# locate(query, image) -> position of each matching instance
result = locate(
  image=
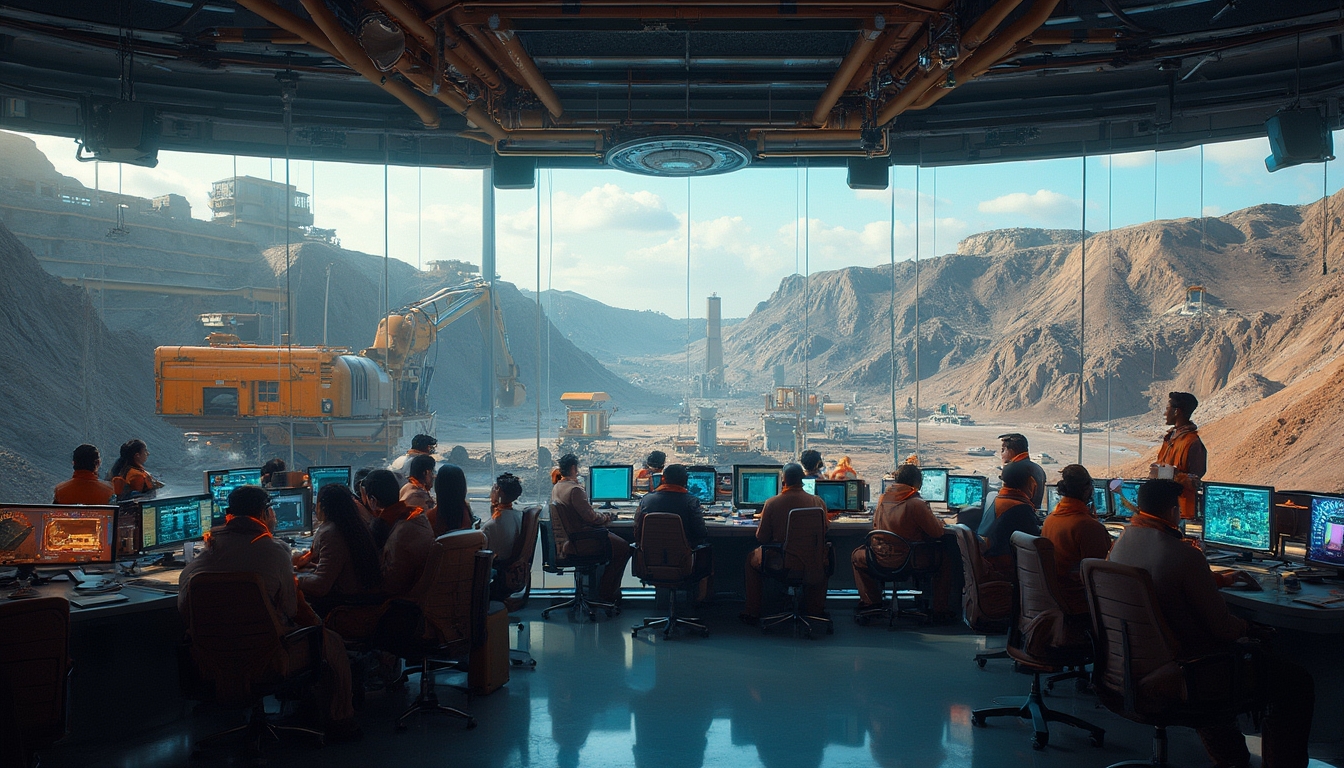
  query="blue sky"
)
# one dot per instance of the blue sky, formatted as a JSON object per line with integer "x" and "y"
{"x": 621, "y": 238}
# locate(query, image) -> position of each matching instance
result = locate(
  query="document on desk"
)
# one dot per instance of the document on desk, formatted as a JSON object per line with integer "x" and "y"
{"x": 1321, "y": 602}
{"x": 89, "y": 601}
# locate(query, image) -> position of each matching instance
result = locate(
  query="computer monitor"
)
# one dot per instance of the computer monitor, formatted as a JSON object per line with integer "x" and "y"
{"x": 611, "y": 482}
{"x": 966, "y": 490}
{"x": 1239, "y": 517}
{"x": 810, "y": 485}
{"x": 1325, "y": 543}
{"x": 36, "y": 535}
{"x": 293, "y": 512}
{"x": 1052, "y": 496}
{"x": 655, "y": 480}
{"x": 841, "y": 495}
{"x": 171, "y": 522}
{"x": 1101, "y": 500}
{"x": 219, "y": 483}
{"x": 935, "y": 484}
{"x": 702, "y": 483}
{"x": 753, "y": 484}
{"x": 320, "y": 476}
{"x": 1129, "y": 491}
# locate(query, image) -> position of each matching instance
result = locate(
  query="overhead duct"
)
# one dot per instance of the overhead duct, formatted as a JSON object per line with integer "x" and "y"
{"x": 382, "y": 40}
{"x": 678, "y": 156}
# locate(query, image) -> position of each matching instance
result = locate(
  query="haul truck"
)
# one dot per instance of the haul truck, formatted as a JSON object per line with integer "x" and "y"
{"x": 333, "y": 401}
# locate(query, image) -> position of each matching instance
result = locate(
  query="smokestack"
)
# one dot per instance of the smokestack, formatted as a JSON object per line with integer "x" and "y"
{"x": 714, "y": 344}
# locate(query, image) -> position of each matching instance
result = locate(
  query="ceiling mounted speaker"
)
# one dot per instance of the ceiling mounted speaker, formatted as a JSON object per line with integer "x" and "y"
{"x": 677, "y": 156}
{"x": 382, "y": 40}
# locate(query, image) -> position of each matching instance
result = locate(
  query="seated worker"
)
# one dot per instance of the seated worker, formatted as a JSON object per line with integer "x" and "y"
{"x": 844, "y": 470}
{"x": 344, "y": 566}
{"x": 421, "y": 445}
{"x": 1077, "y": 534}
{"x": 772, "y": 528}
{"x": 84, "y": 487}
{"x": 673, "y": 497}
{"x": 1198, "y": 617}
{"x": 130, "y": 467}
{"x": 453, "y": 512}
{"x": 572, "y": 512}
{"x": 269, "y": 470}
{"x": 1182, "y": 450}
{"x": 812, "y": 463}
{"x": 1013, "y": 450}
{"x": 905, "y": 513}
{"x": 419, "y": 482}
{"x": 244, "y": 545}
{"x": 1013, "y": 511}
{"x": 653, "y": 464}
{"x": 505, "y": 523}
{"x": 402, "y": 533}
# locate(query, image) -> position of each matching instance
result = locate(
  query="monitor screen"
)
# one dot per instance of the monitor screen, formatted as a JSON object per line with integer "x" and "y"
{"x": 935, "y": 484}
{"x": 56, "y": 535}
{"x": 1129, "y": 491}
{"x": 611, "y": 482}
{"x": 701, "y": 484}
{"x": 655, "y": 480}
{"x": 810, "y": 484}
{"x": 1052, "y": 496}
{"x": 754, "y": 484}
{"x": 966, "y": 490}
{"x": 173, "y": 521}
{"x": 840, "y": 495}
{"x": 1325, "y": 543}
{"x": 292, "y": 513}
{"x": 1101, "y": 500}
{"x": 1239, "y": 516}
{"x": 219, "y": 483}
{"x": 320, "y": 476}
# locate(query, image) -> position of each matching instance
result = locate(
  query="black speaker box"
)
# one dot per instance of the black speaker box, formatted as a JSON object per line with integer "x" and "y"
{"x": 868, "y": 174}
{"x": 515, "y": 172}
{"x": 1298, "y": 136}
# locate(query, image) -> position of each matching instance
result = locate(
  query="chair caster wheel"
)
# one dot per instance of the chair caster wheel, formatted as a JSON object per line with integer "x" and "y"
{"x": 977, "y": 720}
{"x": 1039, "y": 740}
{"x": 471, "y": 724}
{"x": 1098, "y": 740}
{"x": 980, "y": 663}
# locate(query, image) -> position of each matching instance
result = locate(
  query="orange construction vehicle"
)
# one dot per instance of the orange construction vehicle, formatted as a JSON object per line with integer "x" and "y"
{"x": 330, "y": 399}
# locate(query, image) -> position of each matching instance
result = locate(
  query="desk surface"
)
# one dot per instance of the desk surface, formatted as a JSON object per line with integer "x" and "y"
{"x": 1277, "y": 609}
{"x": 138, "y": 599}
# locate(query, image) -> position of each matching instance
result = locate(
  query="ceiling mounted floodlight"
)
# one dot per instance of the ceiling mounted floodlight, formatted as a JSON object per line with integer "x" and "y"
{"x": 382, "y": 40}
{"x": 678, "y": 156}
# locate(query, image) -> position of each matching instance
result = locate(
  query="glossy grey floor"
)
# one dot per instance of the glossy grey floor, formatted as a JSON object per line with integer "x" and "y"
{"x": 598, "y": 697}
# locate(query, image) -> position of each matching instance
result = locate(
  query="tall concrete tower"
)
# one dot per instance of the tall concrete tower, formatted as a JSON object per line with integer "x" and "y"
{"x": 713, "y": 379}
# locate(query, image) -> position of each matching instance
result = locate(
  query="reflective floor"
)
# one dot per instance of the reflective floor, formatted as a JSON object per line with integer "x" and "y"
{"x": 599, "y": 697}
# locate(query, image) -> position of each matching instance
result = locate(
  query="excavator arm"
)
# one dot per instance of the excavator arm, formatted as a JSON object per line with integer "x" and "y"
{"x": 405, "y": 336}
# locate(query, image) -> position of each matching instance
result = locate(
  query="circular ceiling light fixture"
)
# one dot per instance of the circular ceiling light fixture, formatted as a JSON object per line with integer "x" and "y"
{"x": 382, "y": 40}
{"x": 678, "y": 156}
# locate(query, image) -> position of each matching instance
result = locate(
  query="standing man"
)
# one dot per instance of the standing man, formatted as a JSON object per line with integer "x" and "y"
{"x": 571, "y": 512}
{"x": 419, "y": 483}
{"x": 1013, "y": 450}
{"x": 84, "y": 487}
{"x": 772, "y": 529}
{"x": 1012, "y": 512}
{"x": 421, "y": 445}
{"x": 1182, "y": 451}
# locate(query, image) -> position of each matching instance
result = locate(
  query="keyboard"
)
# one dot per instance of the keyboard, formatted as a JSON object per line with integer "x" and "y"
{"x": 154, "y": 584}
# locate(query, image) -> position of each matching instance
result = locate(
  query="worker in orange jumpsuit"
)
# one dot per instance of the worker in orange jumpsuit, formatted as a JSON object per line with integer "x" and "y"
{"x": 844, "y": 470}
{"x": 85, "y": 487}
{"x": 130, "y": 467}
{"x": 1182, "y": 450}
{"x": 902, "y": 511}
{"x": 1072, "y": 526}
{"x": 772, "y": 529}
{"x": 653, "y": 464}
{"x": 572, "y": 512}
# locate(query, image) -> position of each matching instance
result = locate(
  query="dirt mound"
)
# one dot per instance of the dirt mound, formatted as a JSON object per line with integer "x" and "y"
{"x": 70, "y": 379}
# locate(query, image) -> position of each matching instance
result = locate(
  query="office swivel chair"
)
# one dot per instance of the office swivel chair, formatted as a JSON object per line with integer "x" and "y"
{"x": 1041, "y": 641}
{"x": 1137, "y": 674}
{"x": 452, "y": 597}
{"x": 35, "y": 672}
{"x": 804, "y": 560}
{"x": 513, "y": 580}
{"x": 664, "y": 559}
{"x": 592, "y": 549}
{"x": 986, "y": 602}
{"x": 892, "y": 558}
{"x": 238, "y": 652}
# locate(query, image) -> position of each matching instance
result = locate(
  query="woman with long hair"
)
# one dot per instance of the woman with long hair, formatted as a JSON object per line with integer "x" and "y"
{"x": 345, "y": 563}
{"x": 130, "y": 467}
{"x": 450, "y": 489}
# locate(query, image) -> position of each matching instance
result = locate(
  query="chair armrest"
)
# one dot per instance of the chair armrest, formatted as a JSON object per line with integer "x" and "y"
{"x": 772, "y": 557}
{"x": 310, "y": 635}
{"x": 702, "y": 561}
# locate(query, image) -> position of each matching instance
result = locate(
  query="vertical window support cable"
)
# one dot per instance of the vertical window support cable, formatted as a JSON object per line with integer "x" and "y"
{"x": 891, "y": 246}
{"x": 1082, "y": 309}
{"x": 918, "y": 206}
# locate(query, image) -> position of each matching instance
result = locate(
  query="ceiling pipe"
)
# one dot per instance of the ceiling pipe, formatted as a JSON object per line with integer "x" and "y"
{"x": 492, "y": 50}
{"x": 454, "y": 53}
{"x": 326, "y": 34}
{"x": 477, "y": 12}
{"x": 994, "y": 51}
{"x": 923, "y": 81}
{"x": 508, "y": 40}
{"x": 858, "y": 53}
{"x": 894, "y": 39}
{"x": 407, "y": 67}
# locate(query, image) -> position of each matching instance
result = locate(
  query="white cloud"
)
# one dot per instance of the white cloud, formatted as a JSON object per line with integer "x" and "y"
{"x": 611, "y": 207}
{"x": 1213, "y": 210}
{"x": 1044, "y": 206}
{"x": 1142, "y": 159}
{"x": 1238, "y": 155}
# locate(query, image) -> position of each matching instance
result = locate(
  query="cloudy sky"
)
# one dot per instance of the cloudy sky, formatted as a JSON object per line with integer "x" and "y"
{"x": 622, "y": 239}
